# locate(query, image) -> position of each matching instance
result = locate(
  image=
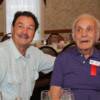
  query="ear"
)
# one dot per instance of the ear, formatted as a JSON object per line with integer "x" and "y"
{"x": 97, "y": 37}
{"x": 73, "y": 36}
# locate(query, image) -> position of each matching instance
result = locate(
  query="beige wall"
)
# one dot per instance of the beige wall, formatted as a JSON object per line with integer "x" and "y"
{"x": 1, "y": 19}
{"x": 59, "y": 14}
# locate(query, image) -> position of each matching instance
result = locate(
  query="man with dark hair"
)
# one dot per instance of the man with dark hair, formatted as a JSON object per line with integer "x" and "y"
{"x": 27, "y": 14}
{"x": 20, "y": 62}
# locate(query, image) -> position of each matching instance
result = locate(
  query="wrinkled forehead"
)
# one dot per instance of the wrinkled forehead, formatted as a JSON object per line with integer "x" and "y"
{"x": 85, "y": 21}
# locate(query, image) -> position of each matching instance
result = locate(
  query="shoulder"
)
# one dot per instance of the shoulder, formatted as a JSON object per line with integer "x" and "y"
{"x": 34, "y": 51}
{"x": 67, "y": 54}
{"x": 4, "y": 46}
{"x": 68, "y": 51}
{"x": 4, "y": 54}
{"x": 96, "y": 53}
{"x": 5, "y": 49}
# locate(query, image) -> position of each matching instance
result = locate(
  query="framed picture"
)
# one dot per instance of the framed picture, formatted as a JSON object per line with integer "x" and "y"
{"x": 65, "y": 33}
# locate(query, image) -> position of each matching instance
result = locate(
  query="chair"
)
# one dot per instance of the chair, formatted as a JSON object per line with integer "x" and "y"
{"x": 67, "y": 46}
{"x": 49, "y": 50}
{"x": 44, "y": 79}
{"x": 5, "y": 37}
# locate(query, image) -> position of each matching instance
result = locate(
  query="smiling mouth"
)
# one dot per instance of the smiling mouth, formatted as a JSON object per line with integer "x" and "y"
{"x": 23, "y": 36}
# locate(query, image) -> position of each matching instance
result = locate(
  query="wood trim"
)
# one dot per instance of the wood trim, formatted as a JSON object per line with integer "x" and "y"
{"x": 1, "y": 34}
{"x": 58, "y": 31}
{"x": 1, "y": 2}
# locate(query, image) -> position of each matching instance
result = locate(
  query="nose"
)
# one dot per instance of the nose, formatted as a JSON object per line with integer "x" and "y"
{"x": 25, "y": 29}
{"x": 84, "y": 33}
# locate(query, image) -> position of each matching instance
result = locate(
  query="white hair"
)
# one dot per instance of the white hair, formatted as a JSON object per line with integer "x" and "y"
{"x": 91, "y": 17}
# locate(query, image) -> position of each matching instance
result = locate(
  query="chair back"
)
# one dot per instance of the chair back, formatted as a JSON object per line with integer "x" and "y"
{"x": 49, "y": 50}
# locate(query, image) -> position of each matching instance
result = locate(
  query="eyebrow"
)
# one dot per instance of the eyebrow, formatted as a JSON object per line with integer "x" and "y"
{"x": 33, "y": 25}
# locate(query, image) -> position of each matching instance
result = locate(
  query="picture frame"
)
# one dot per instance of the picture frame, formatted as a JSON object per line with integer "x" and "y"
{"x": 65, "y": 33}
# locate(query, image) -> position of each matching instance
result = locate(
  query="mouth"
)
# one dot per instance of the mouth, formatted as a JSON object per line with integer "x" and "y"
{"x": 84, "y": 41}
{"x": 23, "y": 36}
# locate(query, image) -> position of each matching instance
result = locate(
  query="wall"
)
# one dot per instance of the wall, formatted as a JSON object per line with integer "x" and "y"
{"x": 1, "y": 19}
{"x": 59, "y": 14}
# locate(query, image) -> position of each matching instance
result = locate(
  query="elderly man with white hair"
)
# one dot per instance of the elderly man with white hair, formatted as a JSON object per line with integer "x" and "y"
{"x": 78, "y": 67}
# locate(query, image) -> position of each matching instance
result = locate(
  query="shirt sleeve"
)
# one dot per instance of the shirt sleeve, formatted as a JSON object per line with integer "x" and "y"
{"x": 46, "y": 62}
{"x": 57, "y": 75}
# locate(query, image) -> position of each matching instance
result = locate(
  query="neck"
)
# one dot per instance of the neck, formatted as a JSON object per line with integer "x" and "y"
{"x": 87, "y": 52}
{"x": 22, "y": 50}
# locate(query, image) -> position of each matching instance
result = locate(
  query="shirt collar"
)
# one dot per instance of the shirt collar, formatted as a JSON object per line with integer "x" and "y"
{"x": 15, "y": 51}
{"x": 96, "y": 53}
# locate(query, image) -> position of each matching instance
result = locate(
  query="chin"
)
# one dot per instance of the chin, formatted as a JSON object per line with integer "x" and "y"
{"x": 84, "y": 47}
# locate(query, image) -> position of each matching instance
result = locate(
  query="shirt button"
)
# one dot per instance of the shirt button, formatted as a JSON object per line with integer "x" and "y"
{"x": 83, "y": 62}
{"x": 81, "y": 55}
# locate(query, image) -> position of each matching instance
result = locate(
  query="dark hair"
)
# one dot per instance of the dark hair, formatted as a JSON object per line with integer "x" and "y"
{"x": 59, "y": 37}
{"x": 27, "y": 14}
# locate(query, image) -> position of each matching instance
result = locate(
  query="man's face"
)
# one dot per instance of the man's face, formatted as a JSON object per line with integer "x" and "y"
{"x": 85, "y": 33}
{"x": 54, "y": 39}
{"x": 23, "y": 31}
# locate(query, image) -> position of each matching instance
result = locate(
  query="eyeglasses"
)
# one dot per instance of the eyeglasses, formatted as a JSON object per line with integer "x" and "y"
{"x": 30, "y": 28}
